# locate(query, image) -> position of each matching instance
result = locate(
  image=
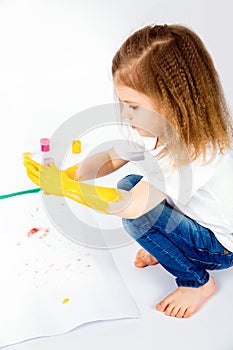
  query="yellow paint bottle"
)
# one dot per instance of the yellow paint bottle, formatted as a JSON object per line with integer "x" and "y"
{"x": 76, "y": 146}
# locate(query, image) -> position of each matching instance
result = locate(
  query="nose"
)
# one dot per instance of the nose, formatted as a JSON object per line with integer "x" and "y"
{"x": 125, "y": 112}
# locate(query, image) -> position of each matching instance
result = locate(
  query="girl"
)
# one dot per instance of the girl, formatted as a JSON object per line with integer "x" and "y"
{"x": 170, "y": 95}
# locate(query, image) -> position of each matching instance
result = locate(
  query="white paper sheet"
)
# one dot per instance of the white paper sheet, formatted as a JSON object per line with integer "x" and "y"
{"x": 49, "y": 284}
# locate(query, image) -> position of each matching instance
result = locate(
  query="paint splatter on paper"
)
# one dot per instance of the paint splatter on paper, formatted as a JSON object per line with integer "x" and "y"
{"x": 45, "y": 232}
{"x": 66, "y": 300}
{"x": 33, "y": 231}
{"x": 50, "y": 259}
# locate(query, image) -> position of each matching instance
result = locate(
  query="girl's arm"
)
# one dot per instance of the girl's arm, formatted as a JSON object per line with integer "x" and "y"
{"x": 127, "y": 204}
{"x": 98, "y": 165}
{"x": 130, "y": 204}
{"x": 139, "y": 200}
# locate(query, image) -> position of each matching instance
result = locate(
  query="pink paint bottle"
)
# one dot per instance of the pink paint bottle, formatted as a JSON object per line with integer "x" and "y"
{"x": 45, "y": 147}
{"x": 45, "y": 144}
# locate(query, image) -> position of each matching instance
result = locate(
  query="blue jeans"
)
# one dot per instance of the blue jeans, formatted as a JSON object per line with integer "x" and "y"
{"x": 186, "y": 251}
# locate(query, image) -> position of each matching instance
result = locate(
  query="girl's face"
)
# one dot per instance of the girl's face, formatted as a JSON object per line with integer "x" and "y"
{"x": 139, "y": 111}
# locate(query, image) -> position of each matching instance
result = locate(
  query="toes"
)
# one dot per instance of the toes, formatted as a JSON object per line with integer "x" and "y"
{"x": 139, "y": 256}
{"x": 139, "y": 263}
{"x": 169, "y": 309}
{"x": 140, "y": 253}
{"x": 143, "y": 258}
{"x": 188, "y": 312}
{"x": 147, "y": 259}
{"x": 181, "y": 312}
{"x": 151, "y": 260}
{"x": 175, "y": 310}
{"x": 162, "y": 305}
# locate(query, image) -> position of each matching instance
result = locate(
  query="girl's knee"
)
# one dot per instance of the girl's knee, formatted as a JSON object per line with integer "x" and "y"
{"x": 147, "y": 222}
{"x": 131, "y": 228}
{"x": 128, "y": 182}
{"x": 137, "y": 227}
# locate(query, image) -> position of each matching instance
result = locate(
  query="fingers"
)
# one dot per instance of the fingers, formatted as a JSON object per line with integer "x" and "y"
{"x": 71, "y": 172}
{"x": 33, "y": 178}
{"x": 31, "y": 169}
{"x": 48, "y": 178}
{"x": 28, "y": 160}
{"x": 34, "y": 167}
{"x": 39, "y": 181}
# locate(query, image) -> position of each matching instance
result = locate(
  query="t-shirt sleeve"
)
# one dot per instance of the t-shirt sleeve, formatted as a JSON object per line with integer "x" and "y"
{"x": 134, "y": 147}
{"x": 129, "y": 150}
{"x": 179, "y": 184}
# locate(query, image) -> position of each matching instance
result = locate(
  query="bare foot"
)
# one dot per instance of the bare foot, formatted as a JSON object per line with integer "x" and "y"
{"x": 184, "y": 301}
{"x": 143, "y": 258}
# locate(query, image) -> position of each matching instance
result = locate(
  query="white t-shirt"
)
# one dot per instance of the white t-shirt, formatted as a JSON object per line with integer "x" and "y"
{"x": 202, "y": 192}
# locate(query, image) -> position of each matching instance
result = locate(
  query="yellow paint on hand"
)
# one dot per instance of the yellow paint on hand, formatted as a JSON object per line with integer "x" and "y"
{"x": 64, "y": 183}
{"x": 71, "y": 172}
{"x": 66, "y": 300}
{"x": 96, "y": 197}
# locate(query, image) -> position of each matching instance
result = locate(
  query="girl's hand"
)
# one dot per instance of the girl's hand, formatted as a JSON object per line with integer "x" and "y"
{"x": 49, "y": 178}
{"x": 72, "y": 172}
{"x": 55, "y": 181}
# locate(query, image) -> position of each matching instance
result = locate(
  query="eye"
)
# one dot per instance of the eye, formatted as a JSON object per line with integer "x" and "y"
{"x": 133, "y": 107}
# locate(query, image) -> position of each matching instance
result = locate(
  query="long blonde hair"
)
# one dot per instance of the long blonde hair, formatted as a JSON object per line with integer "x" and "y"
{"x": 170, "y": 64}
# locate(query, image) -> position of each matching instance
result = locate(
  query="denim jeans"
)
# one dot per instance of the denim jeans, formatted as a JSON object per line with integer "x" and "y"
{"x": 182, "y": 246}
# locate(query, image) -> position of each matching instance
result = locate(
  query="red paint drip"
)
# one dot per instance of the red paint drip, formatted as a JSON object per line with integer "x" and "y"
{"x": 33, "y": 231}
{"x": 36, "y": 229}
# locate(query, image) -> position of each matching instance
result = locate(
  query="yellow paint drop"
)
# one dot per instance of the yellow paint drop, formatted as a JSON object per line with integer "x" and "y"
{"x": 66, "y": 300}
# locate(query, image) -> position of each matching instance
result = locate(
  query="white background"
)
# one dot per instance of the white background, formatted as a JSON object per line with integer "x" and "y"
{"x": 55, "y": 61}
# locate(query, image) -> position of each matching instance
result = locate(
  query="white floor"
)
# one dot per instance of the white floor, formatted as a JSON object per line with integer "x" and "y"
{"x": 209, "y": 328}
